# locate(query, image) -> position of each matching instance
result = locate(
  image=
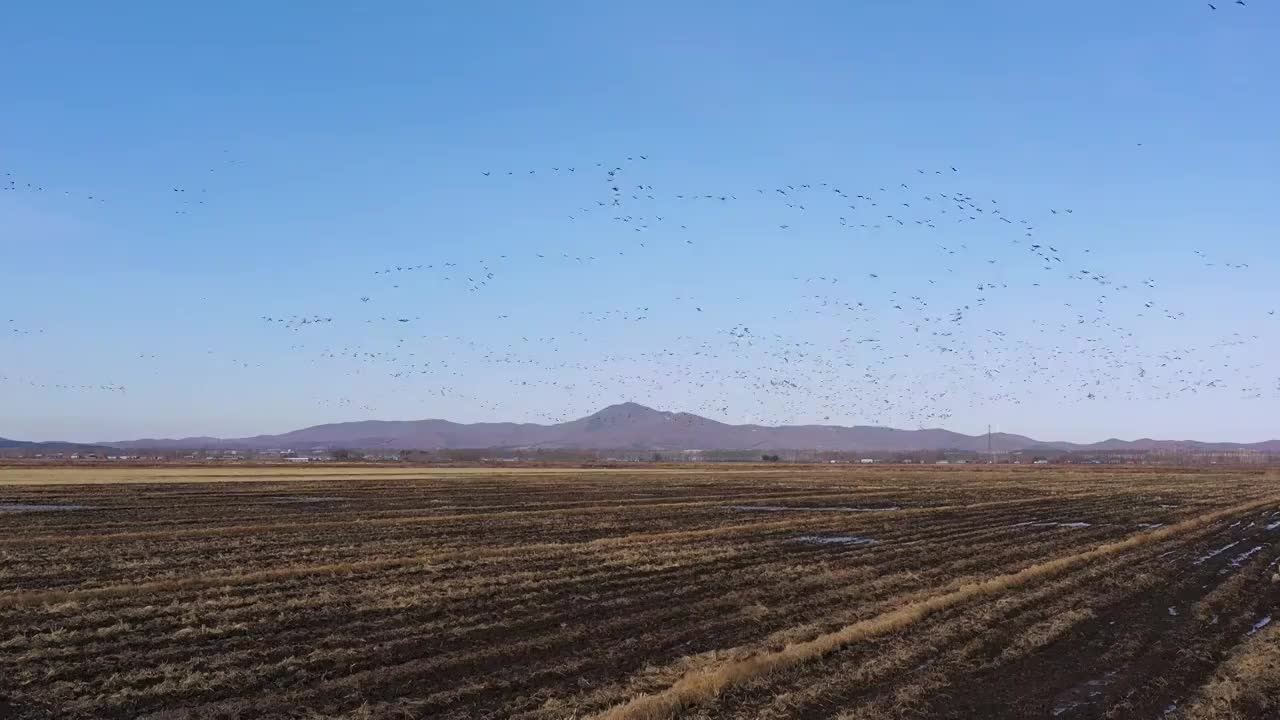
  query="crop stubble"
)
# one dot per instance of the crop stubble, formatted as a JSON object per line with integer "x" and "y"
{"x": 637, "y": 593}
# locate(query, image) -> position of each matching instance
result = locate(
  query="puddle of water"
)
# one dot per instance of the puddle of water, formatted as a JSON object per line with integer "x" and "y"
{"x": 20, "y": 507}
{"x": 836, "y": 539}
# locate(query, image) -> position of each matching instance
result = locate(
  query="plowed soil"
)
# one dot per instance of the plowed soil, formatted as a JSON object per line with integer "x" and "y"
{"x": 707, "y": 592}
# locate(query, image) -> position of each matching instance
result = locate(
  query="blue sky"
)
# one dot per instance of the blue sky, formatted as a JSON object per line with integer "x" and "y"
{"x": 312, "y": 149}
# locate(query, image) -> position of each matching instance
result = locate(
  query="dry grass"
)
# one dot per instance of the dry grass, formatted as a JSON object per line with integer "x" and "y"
{"x": 1246, "y": 686}
{"x": 705, "y": 684}
{"x": 542, "y": 594}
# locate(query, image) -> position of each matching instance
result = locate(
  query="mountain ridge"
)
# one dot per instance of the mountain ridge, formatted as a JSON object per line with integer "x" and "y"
{"x": 634, "y": 426}
{"x": 8, "y": 444}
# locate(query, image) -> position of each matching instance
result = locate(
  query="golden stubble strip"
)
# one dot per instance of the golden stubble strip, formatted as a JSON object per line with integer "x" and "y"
{"x": 1246, "y": 684}
{"x": 702, "y": 685}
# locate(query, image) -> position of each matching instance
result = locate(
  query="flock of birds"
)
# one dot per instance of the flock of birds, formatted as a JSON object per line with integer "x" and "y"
{"x": 39, "y": 384}
{"x": 894, "y": 355}
{"x": 875, "y": 344}
{"x": 179, "y": 199}
{"x": 887, "y": 347}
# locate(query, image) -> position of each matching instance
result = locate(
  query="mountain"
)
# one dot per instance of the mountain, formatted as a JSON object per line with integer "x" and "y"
{"x": 630, "y": 425}
{"x": 28, "y": 447}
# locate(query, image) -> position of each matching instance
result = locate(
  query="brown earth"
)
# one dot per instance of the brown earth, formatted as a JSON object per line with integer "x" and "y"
{"x": 704, "y": 591}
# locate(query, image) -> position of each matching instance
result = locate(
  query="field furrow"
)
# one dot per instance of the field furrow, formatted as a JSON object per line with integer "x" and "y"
{"x": 716, "y": 593}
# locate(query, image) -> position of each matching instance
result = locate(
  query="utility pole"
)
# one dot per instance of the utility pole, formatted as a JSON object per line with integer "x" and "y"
{"x": 990, "y": 455}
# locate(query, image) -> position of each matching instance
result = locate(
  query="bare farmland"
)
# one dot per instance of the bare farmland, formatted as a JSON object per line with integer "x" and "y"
{"x": 725, "y": 592}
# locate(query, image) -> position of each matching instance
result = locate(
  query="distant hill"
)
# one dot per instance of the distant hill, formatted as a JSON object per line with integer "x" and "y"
{"x": 27, "y": 447}
{"x": 630, "y": 425}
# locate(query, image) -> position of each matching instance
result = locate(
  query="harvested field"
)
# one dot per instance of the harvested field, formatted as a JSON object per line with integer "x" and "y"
{"x": 702, "y": 592}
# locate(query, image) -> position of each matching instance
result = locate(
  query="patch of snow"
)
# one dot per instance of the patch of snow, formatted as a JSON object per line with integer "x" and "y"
{"x": 1034, "y": 523}
{"x": 1215, "y": 553}
{"x": 1064, "y": 524}
{"x": 1084, "y": 694}
{"x": 836, "y": 540}
{"x": 1150, "y": 526}
{"x": 1173, "y": 611}
{"x": 1063, "y": 708}
{"x": 1273, "y": 525}
{"x": 1238, "y": 560}
{"x": 1260, "y": 624}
